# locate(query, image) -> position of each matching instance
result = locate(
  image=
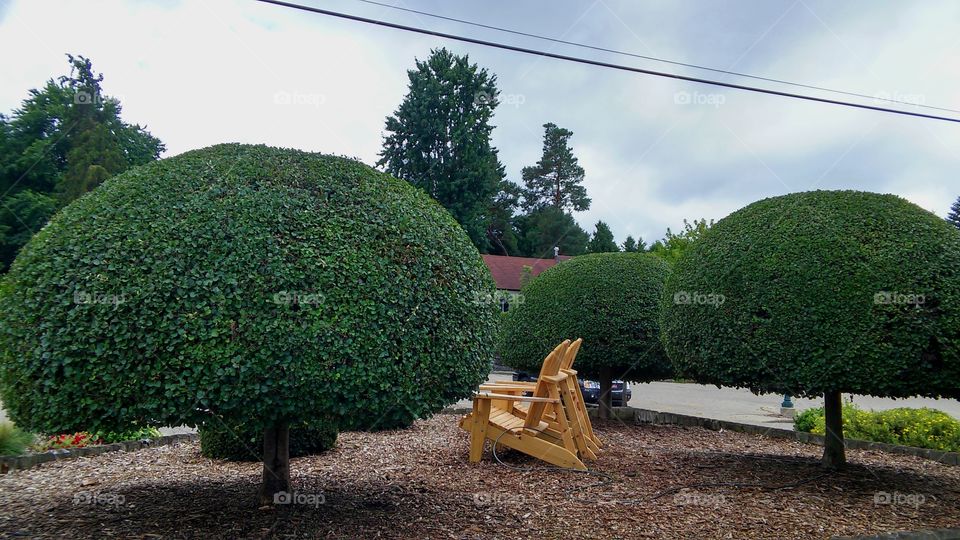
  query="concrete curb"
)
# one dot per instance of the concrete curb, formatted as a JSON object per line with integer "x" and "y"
{"x": 19, "y": 463}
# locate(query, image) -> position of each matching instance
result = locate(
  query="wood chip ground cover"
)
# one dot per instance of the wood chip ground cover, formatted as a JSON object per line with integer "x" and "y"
{"x": 651, "y": 482}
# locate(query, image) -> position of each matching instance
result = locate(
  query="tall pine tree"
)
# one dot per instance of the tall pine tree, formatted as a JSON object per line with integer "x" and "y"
{"x": 439, "y": 140}
{"x": 556, "y": 180}
{"x": 954, "y": 215}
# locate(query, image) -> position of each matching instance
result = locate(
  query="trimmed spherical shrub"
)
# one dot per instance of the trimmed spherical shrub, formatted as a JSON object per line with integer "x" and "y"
{"x": 611, "y": 300}
{"x": 263, "y": 285}
{"x": 240, "y": 443}
{"x": 816, "y": 292}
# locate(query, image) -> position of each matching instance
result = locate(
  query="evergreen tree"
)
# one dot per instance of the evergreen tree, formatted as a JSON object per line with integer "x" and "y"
{"x": 602, "y": 241}
{"x": 550, "y": 227}
{"x": 556, "y": 180}
{"x": 954, "y": 215}
{"x": 501, "y": 221}
{"x": 65, "y": 138}
{"x": 439, "y": 140}
{"x": 632, "y": 246}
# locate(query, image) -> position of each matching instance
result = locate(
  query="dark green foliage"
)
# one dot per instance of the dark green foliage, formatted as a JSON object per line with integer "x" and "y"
{"x": 549, "y": 227}
{"x": 602, "y": 241}
{"x": 66, "y": 138}
{"x": 556, "y": 180}
{"x": 501, "y": 229}
{"x": 241, "y": 443}
{"x": 20, "y": 215}
{"x": 823, "y": 291}
{"x": 954, "y": 216}
{"x": 611, "y": 300}
{"x": 439, "y": 139}
{"x": 261, "y": 284}
{"x": 632, "y": 246}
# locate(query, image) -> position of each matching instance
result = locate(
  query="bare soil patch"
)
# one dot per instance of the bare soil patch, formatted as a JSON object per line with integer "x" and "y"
{"x": 651, "y": 482}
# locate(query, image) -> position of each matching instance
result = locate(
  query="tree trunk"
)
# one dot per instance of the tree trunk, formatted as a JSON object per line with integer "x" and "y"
{"x": 276, "y": 463}
{"x": 606, "y": 394}
{"x": 833, "y": 452}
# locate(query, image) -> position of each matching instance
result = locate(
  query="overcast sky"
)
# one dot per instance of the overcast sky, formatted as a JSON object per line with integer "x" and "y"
{"x": 655, "y": 150}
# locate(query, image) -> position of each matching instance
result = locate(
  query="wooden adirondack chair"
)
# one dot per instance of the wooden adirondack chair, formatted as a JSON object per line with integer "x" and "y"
{"x": 574, "y": 404}
{"x": 543, "y": 432}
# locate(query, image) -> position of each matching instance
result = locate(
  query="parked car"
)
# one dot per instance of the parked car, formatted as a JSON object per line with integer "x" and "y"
{"x": 590, "y": 389}
{"x": 621, "y": 392}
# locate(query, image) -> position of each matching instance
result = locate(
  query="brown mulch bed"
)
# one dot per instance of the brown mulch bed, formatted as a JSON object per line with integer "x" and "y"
{"x": 651, "y": 482}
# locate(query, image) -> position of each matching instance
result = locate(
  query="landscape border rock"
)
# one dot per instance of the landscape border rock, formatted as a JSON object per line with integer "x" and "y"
{"x": 19, "y": 463}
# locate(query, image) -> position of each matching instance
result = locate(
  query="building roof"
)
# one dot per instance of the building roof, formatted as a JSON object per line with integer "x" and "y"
{"x": 507, "y": 271}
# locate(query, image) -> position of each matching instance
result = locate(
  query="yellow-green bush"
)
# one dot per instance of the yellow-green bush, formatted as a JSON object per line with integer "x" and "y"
{"x": 923, "y": 428}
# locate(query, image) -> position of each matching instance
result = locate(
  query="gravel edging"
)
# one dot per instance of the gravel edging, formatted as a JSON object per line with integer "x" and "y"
{"x": 19, "y": 463}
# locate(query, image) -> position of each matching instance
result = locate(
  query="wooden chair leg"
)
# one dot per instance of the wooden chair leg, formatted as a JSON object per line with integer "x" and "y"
{"x": 478, "y": 432}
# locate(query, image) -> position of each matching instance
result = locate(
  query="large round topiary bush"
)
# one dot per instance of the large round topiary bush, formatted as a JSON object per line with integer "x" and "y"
{"x": 263, "y": 285}
{"x": 820, "y": 293}
{"x": 611, "y": 300}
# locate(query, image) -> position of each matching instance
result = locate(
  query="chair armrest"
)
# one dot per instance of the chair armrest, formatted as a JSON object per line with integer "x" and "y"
{"x": 505, "y": 388}
{"x": 509, "y": 397}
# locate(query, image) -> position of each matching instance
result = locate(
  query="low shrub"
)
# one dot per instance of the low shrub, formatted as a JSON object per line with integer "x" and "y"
{"x": 13, "y": 440}
{"x": 108, "y": 437}
{"x": 241, "y": 443}
{"x": 922, "y": 428}
{"x": 807, "y": 420}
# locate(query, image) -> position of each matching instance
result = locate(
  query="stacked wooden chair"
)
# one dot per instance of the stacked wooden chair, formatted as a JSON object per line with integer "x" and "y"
{"x": 550, "y": 424}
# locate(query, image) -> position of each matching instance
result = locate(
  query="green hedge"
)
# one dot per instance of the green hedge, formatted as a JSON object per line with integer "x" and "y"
{"x": 240, "y": 443}
{"x": 818, "y": 292}
{"x": 256, "y": 283}
{"x": 611, "y": 300}
{"x": 923, "y": 428}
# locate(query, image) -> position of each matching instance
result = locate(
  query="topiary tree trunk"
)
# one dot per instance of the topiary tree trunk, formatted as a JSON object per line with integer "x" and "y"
{"x": 276, "y": 462}
{"x": 606, "y": 393}
{"x": 834, "y": 455}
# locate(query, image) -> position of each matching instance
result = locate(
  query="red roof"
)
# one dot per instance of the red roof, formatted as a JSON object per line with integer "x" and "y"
{"x": 508, "y": 270}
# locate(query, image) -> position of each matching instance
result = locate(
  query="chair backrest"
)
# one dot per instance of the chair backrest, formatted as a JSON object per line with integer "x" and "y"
{"x": 571, "y": 354}
{"x": 551, "y": 367}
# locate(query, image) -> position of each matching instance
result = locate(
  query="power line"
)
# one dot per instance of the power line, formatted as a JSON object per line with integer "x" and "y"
{"x": 654, "y": 58}
{"x": 597, "y": 63}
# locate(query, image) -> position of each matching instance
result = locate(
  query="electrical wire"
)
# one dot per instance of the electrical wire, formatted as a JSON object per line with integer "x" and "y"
{"x": 654, "y": 58}
{"x": 608, "y": 65}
